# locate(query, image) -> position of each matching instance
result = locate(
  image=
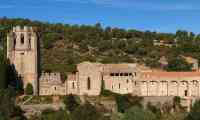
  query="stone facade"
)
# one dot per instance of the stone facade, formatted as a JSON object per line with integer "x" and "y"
{"x": 89, "y": 78}
{"x": 22, "y": 53}
{"x": 51, "y": 84}
{"x": 119, "y": 78}
{"x": 129, "y": 79}
{"x": 183, "y": 84}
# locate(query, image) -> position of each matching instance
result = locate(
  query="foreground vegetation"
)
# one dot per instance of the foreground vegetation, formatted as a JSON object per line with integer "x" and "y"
{"x": 129, "y": 108}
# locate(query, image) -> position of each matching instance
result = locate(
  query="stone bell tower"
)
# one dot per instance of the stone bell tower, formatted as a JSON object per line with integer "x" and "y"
{"x": 22, "y": 53}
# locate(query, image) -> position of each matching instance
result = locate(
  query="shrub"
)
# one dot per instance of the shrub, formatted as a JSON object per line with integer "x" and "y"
{"x": 87, "y": 112}
{"x": 137, "y": 113}
{"x": 70, "y": 102}
{"x": 29, "y": 89}
{"x": 124, "y": 102}
{"x": 54, "y": 115}
{"x": 195, "y": 112}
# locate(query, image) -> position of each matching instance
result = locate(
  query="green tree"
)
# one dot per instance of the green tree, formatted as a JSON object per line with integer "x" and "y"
{"x": 177, "y": 101}
{"x": 194, "y": 113}
{"x": 29, "y": 89}
{"x": 154, "y": 109}
{"x": 8, "y": 109}
{"x": 178, "y": 64}
{"x": 137, "y": 113}
{"x": 70, "y": 102}
{"x": 49, "y": 39}
{"x": 54, "y": 115}
{"x": 3, "y": 68}
{"x": 86, "y": 112}
{"x": 124, "y": 102}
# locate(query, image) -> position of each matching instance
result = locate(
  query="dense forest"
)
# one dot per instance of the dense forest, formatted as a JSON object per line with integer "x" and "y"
{"x": 63, "y": 45}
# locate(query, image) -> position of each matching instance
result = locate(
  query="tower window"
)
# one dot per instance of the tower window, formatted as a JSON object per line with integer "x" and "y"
{"x": 88, "y": 83}
{"x": 116, "y": 74}
{"x": 29, "y": 40}
{"x": 22, "y": 38}
{"x": 126, "y": 74}
{"x": 111, "y": 74}
{"x": 14, "y": 37}
{"x": 186, "y": 93}
{"x": 73, "y": 86}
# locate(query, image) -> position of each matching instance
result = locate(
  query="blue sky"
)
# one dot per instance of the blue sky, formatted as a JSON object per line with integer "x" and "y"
{"x": 154, "y": 15}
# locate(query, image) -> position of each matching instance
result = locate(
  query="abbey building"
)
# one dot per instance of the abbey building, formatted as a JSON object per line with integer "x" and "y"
{"x": 88, "y": 79}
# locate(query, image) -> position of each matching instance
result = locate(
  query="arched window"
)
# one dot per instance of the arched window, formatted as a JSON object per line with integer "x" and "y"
{"x": 22, "y": 38}
{"x": 88, "y": 83}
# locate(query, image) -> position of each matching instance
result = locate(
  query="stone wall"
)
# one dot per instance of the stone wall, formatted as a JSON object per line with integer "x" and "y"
{"x": 72, "y": 84}
{"x": 22, "y": 53}
{"x": 119, "y": 78}
{"x": 128, "y": 79}
{"x": 89, "y": 78}
{"x": 183, "y": 84}
{"x": 51, "y": 84}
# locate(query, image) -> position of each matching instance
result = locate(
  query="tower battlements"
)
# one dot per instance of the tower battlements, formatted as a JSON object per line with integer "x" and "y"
{"x": 22, "y": 38}
{"x": 50, "y": 77}
{"x": 22, "y": 29}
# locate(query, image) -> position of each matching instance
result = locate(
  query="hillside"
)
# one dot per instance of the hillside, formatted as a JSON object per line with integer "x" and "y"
{"x": 63, "y": 45}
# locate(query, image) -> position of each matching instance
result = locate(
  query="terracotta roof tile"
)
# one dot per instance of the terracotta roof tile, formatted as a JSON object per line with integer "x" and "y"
{"x": 170, "y": 74}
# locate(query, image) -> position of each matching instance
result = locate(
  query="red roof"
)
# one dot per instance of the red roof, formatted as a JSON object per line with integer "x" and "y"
{"x": 171, "y": 74}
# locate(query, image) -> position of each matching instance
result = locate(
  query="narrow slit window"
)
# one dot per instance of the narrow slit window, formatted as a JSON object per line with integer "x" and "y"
{"x": 22, "y": 38}
{"x": 15, "y": 38}
{"x": 73, "y": 86}
{"x": 29, "y": 41}
{"x": 88, "y": 83}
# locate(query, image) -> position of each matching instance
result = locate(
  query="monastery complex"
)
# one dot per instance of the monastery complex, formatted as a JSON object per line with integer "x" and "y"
{"x": 88, "y": 79}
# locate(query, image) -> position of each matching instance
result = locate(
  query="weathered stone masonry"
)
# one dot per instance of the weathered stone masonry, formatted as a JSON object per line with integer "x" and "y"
{"x": 22, "y": 52}
{"x": 87, "y": 80}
